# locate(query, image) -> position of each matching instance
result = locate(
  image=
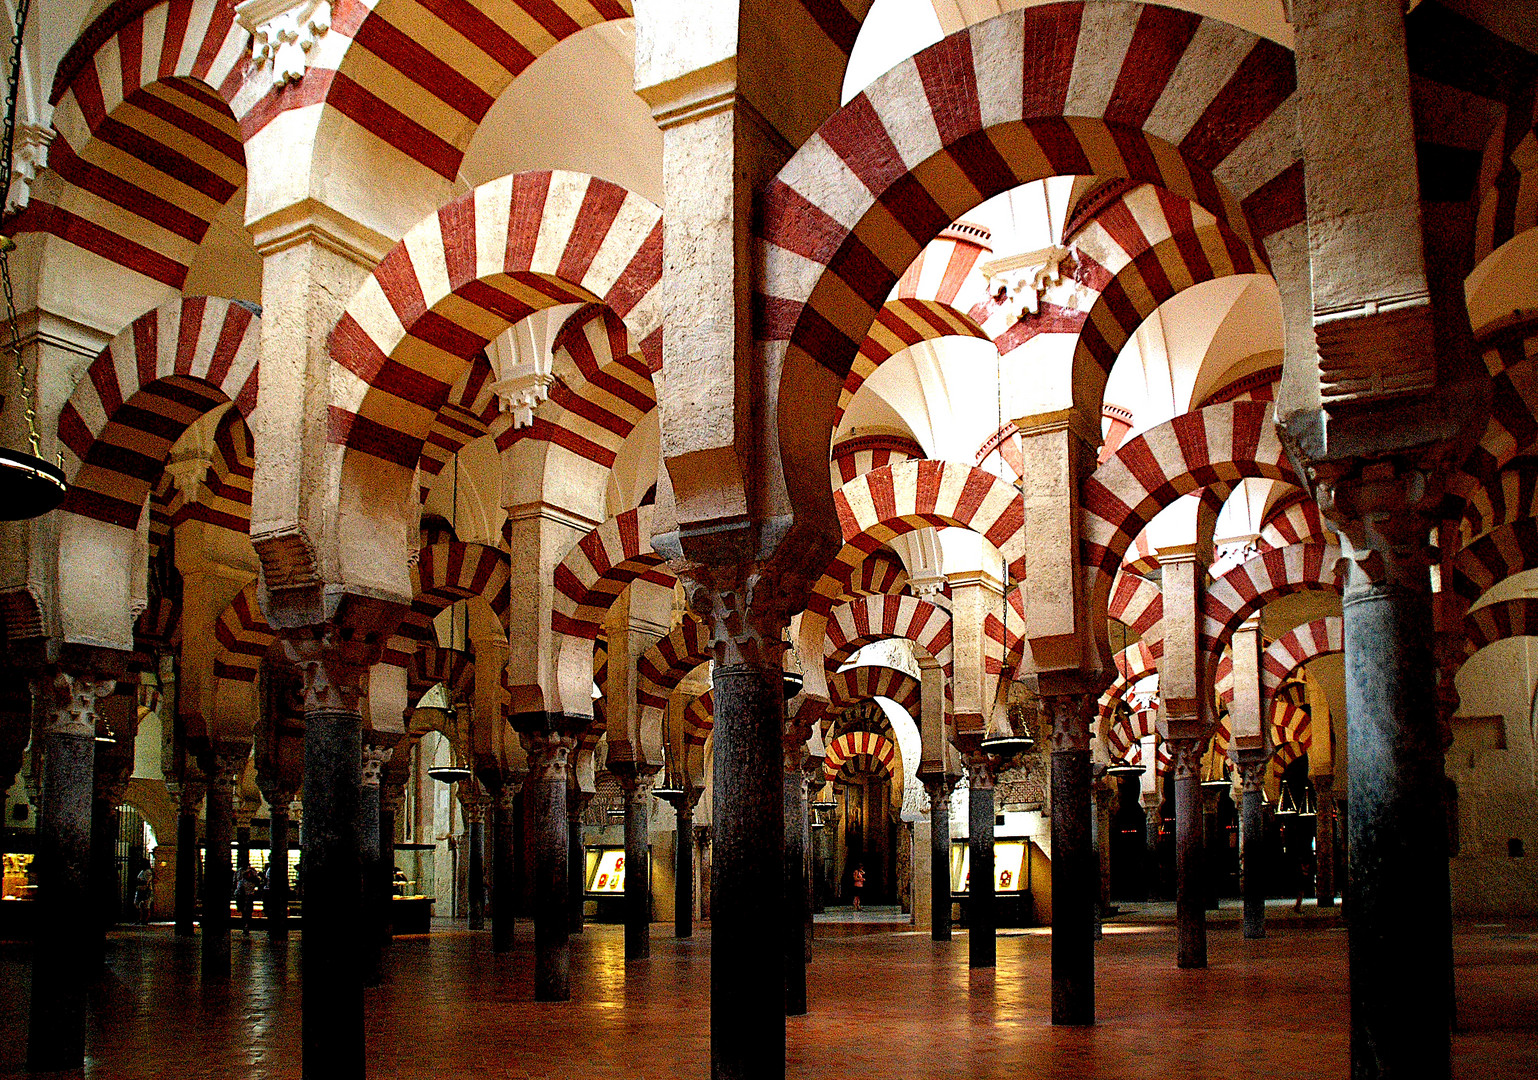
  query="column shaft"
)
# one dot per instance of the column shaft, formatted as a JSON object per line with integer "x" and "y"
{"x": 332, "y": 953}
{"x": 1251, "y": 873}
{"x": 795, "y": 886}
{"x": 475, "y": 839}
{"x": 683, "y": 873}
{"x": 552, "y": 856}
{"x": 56, "y": 1035}
{"x": 576, "y": 864}
{"x": 218, "y": 877}
{"x": 504, "y": 893}
{"x": 1190, "y": 880}
{"x": 276, "y": 904}
{"x": 242, "y": 847}
{"x": 982, "y": 946}
{"x": 1075, "y": 884}
{"x": 1324, "y": 845}
{"x": 638, "y": 872}
{"x": 186, "y": 872}
{"x": 940, "y": 862}
{"x": 386, "y": 883}
{"x": 747, "y": 876}
{"x": 103, "y": 877}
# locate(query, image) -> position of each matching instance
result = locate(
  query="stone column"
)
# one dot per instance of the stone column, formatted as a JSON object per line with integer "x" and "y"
{"x": 392, "y": 796}
{"x": 189, "y": 797}
{"x": 549, "y": 775}
{"x": 683, "y": 872}
{"x": 795, "y": 874}
{"x": 276, "y": 903}
{"x": 1190, "y": 883}
{"x": 242, "y": 839}
{"x": 939, "y": 789}
{"x": 223, "y": 767}
{"x": 1324, "y": 846}
{"x": 504, "y": 892}
{"x": 1106, "y": 794}
{"x": 1401, "y": 1007}
{"x": 1252, "y": 882}
{"x": 374, "y": 914}
{"x": 474, "y": 809}
{"x": 747, "y": 872}
{"x": 56, "y": 1031}
{"x": 637, "y": 784}
{"x": 103, "y": 868}
{"x": 576, "y": 858}
{"x": 334, "y": 672}
{"x": 1074, "y": 885}
{"x": 982, "y": 946}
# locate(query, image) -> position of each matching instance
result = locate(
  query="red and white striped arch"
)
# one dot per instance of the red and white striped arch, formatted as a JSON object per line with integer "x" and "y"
{"x": 1291, "y": 733}
{"x": 418, "y": 77}
{"x": 1156, "y": 95}
{"x": 485, "y": 261}
{"x": 471, "y": 411}
{"x": 670, "y": 660}
{"x": 1496, "y": 622}
{"x": 1138, "y": 252}
{"x": 1510, "y": 495}
{"x": 859, "y": 455}
{"x": 857, "y": 623}
{"x": 599, "y": 567}
{"x": 1510, "y": 356}
{"x": 1296, "y": 520}
{"x": 855, "y": 745}
{"x": 432, "y": 664}
{"x": 148, "y": 150}
{"x": 452, "y": 571}
{"x": 1215, "y": 446}
{"x": 1124, "y": 734}
{"x": 601, "y": 390}
{"x": 243, "y": 636}
{"x": 1296, "y": 647}
{"x": 699, "y": 719}
{"x": 1500, "y": 553}
{"x": 848, "y": 688}
{"x": 1136, "y": 603}
{"x": 1133, "y": 664}
{"x": 165, "y": 370}
{"x": 901, "y": 324}
{"x": 1254, "y": 583}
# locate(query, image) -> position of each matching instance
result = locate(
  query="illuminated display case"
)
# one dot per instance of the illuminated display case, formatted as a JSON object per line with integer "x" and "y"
{"x": 1012, "y": 871}
{"x": 605, "y": 871}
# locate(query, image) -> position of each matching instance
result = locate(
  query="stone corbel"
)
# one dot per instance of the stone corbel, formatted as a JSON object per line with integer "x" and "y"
{"x": 1024, "y": 282}
{"x": 29, "y": 156}
{"x": 188, "y": 472}
{"x": 283, "y": 34}
{"x": 523, "y": 391}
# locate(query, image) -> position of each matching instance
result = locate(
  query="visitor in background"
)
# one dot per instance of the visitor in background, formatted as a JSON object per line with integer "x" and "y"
{"x": 859, "y": 884}
{"x": 246, "y": 890}
{"x": 144, "y": 893}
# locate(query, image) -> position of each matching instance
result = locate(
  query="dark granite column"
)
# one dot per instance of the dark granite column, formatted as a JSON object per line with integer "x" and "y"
{"x": 795, "y": 875}
{"x": 60, "y": 967}
{"x": 372, "y": 913}
{"x": 747, "y": 868}
{"x": 638, "y": 866}
{"x": 812, "y": 778}
{"x": 218, "y": 874}
{"x": 982, "y": 945}
{"x": 1396, "y": 825}
{"x": 392, "y": 796}
{"x": 242, "y": 843}
{"x": 474, "y": 809}
{"x": 549, "y": 774}
{"x": 1152, "y": 818}
{"x": 1252, "y": 882}
{"x": 1324, "y": 844}
{"x": 187, "y": 858}
{"x": 939, "y": 857}
{"x": 103, "y": 870}
{"x": 576, "y": 857}
{"x": 1074, "y": 877}
{"x": 335, "y": 673}
{"x": 683, "y": 869}
{"x": 504, "y": 893}
{"x": 1190, "y": 881}
{"x": 276, "y": 902}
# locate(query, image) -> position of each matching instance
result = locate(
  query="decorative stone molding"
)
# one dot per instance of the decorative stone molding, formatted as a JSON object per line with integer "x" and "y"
{"x": 1252, "y": 775}
{"x": 188, "y": 473}
{"x": 29, "y": 156}
{"x": 1382, "y": 512}
{"x": 549, "y": 755}
{"x": 1070, "y": 722}
{"x": 283, "y": 34}
{"x": 981, "y": 770}
{"x": 1022, "y": 283}
{"x": 1186, "y": 757}
{"x": 73, "y": 708}
{"x": 523, "y": 391}
{"x": 743, "y": 631}
{"x": 334, "y": 672}
{"x": 375, "y": 758}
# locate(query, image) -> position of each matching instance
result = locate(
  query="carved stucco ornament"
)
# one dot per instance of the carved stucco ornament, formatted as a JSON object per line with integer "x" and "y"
{"x": 283, "y": 34}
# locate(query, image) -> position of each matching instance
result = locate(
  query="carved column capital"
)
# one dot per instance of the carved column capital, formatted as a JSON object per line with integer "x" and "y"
{"x": 190, "y": 797}
{"x": 982, "y": 770}
{"x": 333, "y": 670}
{"x": 375, "y": 758}
{"x": 1252, "y": 775}
{"x": 549, "y": 755}
{"x": 1070, "y": 717}
{"x": 1383, "y": 511}
{"x": 284, "y": 34}
{"x": 71, "y": 702}
{"x": 738, "y": 607}
{"x": 1186, "y": 756}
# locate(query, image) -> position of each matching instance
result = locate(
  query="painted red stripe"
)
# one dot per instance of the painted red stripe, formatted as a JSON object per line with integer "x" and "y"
{"x": 1158, "y": 43}
{"x": 423, "y": 67}
{"x": 529, "y": 194}
{"x": 600, "y": 206}
{"x": 223, "y": 141}
{"x": 950, "y": 85}
{"x": 189, "y": 330}
{"x": 396, "y": 129}
{"x": 370, "y": 437}
{"x": 1051, "y": 40}
{"x": 1264, "y": 80}
{"x": 456, "y": 224}
{"x": 856, "y": 134}
{"x": 162, "y": 158}
{"x": 1061, "y": 146}
{"x": 130, "y": 47}
{"x": 213, "y": 40}
{"x": 178, "y": 16}
{"x": 232, "y": 334}
{"x": 835, "y": 20}
{"x": 984, "y": 166}
{"x": 1278, "y": 203}
{"x": 88, "y": 95}
{"x": 643, "y": 272}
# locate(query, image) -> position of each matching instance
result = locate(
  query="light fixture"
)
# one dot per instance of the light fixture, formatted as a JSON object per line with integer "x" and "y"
{"x": 1117, "y": 770}
{"x": 793, "y": 681}
{"x": 450, "y": 774}
{"x": 1285, "y": 807}
{"x": 616, "y": 812}
{"x": 668, "y": 791}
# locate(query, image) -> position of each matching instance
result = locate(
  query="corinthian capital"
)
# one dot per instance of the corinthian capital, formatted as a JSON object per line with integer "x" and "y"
{"x": 72, "y": 703}
{"x": 1383, "y": 511}
{"x": 333, "y": 669}
{"x": 1186, "y": 755}
{"x": 738, "y": 606}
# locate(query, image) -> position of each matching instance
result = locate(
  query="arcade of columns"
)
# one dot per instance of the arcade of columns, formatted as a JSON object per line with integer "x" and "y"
{"x": 263, "y": 537}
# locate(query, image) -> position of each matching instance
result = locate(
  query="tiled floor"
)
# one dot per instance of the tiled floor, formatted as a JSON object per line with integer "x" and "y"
{"x": 885, "y": 1004}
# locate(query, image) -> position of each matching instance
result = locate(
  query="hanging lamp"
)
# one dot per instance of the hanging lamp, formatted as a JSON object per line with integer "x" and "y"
{"x": 1285, "y": 807}
{"x": 1121, "y": 769}
{"x": 672, "y": 787}
{"x": 29, "y": 485}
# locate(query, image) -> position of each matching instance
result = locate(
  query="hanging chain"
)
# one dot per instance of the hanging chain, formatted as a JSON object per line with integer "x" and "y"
{"x": 7, "y": 143}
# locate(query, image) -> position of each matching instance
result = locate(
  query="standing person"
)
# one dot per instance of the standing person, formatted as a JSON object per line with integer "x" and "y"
{"x": 144, "y": 893}
{"x": 859, "y": 884}
{"x": 246, "y": 890}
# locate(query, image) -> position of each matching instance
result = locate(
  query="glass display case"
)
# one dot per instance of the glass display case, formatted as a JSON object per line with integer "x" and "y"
{"x": 1011, "y": 868}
